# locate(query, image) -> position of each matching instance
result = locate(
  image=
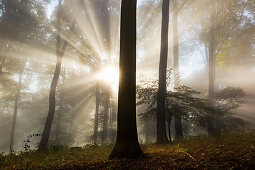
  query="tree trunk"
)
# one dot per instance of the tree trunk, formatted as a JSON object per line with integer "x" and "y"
{"x": 178, "y": 128}
{"x": 112, "y": 119}
{"x": 16, "y": 105}
{"x": 95, "y": 136}
{"x": 169, "y": 128}
{"x": 147, "y": 130}
{"x": 49, "y": 120}
{"x": 178, "y": 122}
{"x": 127, "y": 145}
{"x": 212, "y": 60}
{"x": 61, "y": 100}
{"x": 106, "y": 117}
{"x": 161, "y": 101}
{"x": 60, "y": 53}
{"x": 2, "y": 64}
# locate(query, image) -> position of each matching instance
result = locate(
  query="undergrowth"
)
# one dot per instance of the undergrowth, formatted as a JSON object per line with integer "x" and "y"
{"x": 233, "y": 151}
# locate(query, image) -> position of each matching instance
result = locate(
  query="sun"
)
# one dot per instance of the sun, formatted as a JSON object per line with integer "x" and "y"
{"x": 109, "y": 75}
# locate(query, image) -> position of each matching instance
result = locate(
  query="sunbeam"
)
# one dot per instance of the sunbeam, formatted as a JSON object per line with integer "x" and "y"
{"x": 61, "y": 88}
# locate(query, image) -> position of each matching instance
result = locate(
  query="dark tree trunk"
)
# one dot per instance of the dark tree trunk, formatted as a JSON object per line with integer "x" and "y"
{"x": 127, "y": 145}
{"x": 106, "y": 117}
{"x": 178, "y": 122}
{"x": 49, "y": 120}
{"x": 178, "y": 128}
{"x": 95, "y": 136}
{"x": 16, "y": 105}
{"x": 169, "y": 128}
{"x": 161, "y": 101}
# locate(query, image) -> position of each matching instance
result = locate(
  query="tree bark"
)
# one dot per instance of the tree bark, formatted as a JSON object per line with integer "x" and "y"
{"x": 161, "y": 100}
{"x": 95, "y": 136}
{"x": 16, "y": 105}
{"x": 178, "y": 121}
{"x": 127, "y": 145}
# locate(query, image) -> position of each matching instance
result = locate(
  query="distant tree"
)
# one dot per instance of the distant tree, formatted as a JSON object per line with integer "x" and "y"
{"x": 221, "y": 24}
{"x": 161, "y": 100}
{"x": 61, "y": 107}
{"x": 16, "y": 104}
{"x": 105, "y": 131}
{"x": 127, "y": 145}
{"x": 95, "y": 135}
{"x": 19, "y": 30}
{"x": 177, "y": 118}
{"x": 17, "y": 23}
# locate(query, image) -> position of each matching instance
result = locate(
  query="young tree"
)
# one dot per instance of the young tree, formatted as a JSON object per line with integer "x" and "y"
{"x": 49, "y": 120}
{"x": 161, "y": 101}
{"x": 127, "y": 145}
{"x": 60, "y": 51}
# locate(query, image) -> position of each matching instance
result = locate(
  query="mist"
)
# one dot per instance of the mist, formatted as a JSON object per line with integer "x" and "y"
{"x": 74, "y": 48}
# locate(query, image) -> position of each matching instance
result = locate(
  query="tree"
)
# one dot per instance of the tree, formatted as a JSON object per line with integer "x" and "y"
{"x": 16, "y": 105}
{"x": 161, "y": 100}
{"x": 189, "y": 105}
{"x": 127, "y": 145}
{"x": 212, "y": 60}
{"x": 177, "y": 118}
{"x": 18, "y": 29}
{"x": 220, "y": 23}
{"x": 60, "y": 51}
{"x": 17, "y": 23}
{"x": 61, "y": 107}
{"x": 95, "y": 135}
{"x": 105, "y": 131}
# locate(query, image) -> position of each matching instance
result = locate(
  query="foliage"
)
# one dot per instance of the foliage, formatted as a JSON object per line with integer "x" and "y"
{"x": 186, "y": 102}
{"x": 27, "y": 142}
{"x": 229, "y": 98}
{"x": 232, "y": 21}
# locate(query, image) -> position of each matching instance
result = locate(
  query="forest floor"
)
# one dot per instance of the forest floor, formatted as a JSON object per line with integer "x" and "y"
{"x": 235, "y": 151}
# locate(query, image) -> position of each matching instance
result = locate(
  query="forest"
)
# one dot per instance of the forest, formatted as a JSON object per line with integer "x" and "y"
{"x": 127, "y": 84}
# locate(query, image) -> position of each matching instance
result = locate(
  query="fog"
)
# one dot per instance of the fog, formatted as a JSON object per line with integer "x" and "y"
{"x": 90, "y": 30}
